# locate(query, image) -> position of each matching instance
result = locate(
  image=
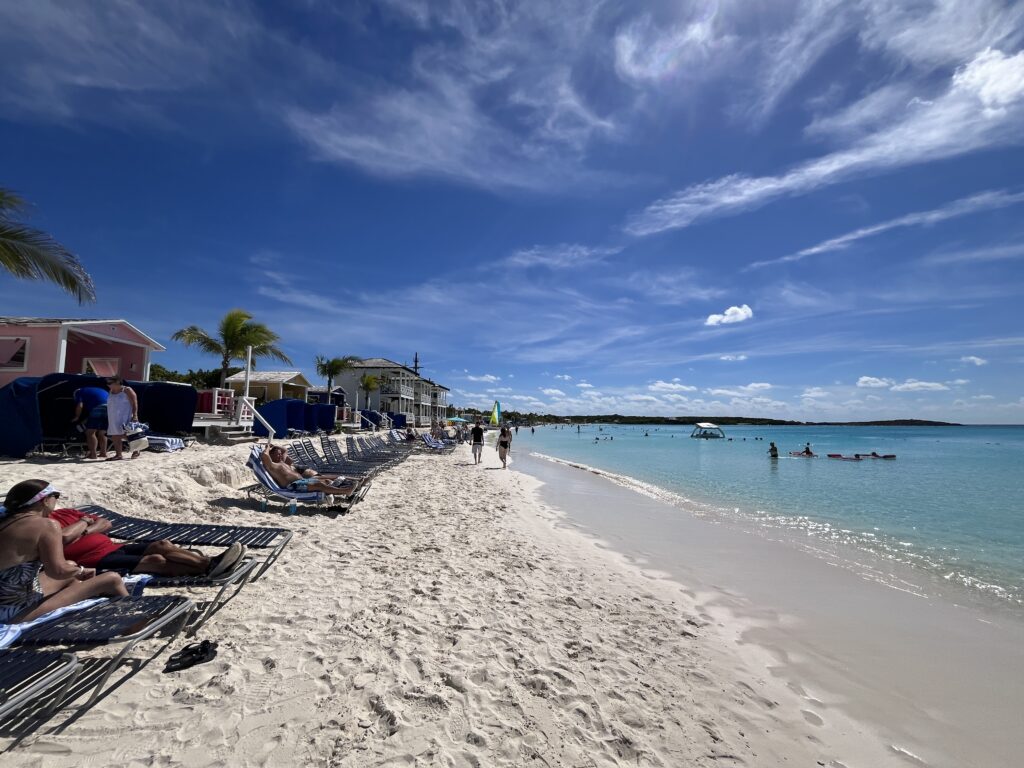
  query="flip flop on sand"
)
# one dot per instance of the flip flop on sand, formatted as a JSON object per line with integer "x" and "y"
{"x": 190, "y": 655}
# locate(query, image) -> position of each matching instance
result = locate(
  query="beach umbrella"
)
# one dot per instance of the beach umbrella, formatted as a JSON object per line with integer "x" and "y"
{"x": 456, "y": 418}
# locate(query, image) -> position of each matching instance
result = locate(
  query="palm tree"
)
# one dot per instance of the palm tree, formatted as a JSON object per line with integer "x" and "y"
{"x": 236, "y": 332}
{"x": 369, "y": 384}
{"x": 333, "y": 368}
{"x": 30, "y": 254}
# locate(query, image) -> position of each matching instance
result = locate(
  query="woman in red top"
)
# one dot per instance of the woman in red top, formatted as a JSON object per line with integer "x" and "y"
{"x": 86, "y": 542}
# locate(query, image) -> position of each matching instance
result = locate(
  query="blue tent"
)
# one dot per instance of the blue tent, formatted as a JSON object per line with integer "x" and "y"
{"x": 34, "y": 409}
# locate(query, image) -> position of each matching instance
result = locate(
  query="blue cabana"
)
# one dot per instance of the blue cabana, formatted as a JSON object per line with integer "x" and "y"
{"x": 283, "y": 415}
{"x": 34, "y": 410}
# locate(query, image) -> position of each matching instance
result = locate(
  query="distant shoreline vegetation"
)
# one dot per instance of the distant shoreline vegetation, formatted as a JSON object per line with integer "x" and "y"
{"x": 722, "y": 421}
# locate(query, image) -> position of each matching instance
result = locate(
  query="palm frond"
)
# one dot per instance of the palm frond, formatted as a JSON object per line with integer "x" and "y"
{"x": 30, "y": 254}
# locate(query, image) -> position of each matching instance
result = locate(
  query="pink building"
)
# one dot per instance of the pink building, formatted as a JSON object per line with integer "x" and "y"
{"x": 33, "y": 346}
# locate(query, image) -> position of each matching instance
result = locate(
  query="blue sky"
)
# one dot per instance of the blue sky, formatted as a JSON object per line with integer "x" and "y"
{"x": 799, "y": 208}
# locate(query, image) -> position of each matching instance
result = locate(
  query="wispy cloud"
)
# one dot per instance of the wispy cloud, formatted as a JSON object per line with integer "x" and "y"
{"x": 981, "y": 107}
{"x": 670, "y": 386}
{"x": 732, "y": 358}
{"x": 731, "y": 315}
{"x": 487, "y": 377}
{"x": 976, "y": 255}
{"x": 974, "y": 360}
{"x": 913, "y": 385}
{"x": 562, "y": 256}
{"x": 447, "y": 113}
{"x": 984, "y": 201}
{"x": 552, "y": 392}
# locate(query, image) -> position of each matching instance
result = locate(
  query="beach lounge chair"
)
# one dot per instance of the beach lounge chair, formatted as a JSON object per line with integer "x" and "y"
{"x": 268, "y": 489}
{"x": 436, "y": 445}
{"x": 124, "y": 620}
{"x": 304, "y": 453}
{"x": 197, "y": 534}
{"x": 31, "y": 678}
{"x": 359, "y": 451}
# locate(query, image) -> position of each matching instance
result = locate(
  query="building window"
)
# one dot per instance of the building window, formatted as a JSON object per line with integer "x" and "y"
{"x": 13, "y": 354}
{"x": 101, "y": 366}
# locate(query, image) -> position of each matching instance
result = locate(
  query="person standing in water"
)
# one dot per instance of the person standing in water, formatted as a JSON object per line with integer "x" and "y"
{"x": 773, "y": 452}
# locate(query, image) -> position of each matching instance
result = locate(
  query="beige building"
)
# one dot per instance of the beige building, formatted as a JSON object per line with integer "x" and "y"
{"x": 271, "y": 385}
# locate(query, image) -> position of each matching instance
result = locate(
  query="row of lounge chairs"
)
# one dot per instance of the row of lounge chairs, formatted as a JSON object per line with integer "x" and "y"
{"x": 38, "y": 681}
{"x": 362, "y": 459}
{"x": 33, "y": 682}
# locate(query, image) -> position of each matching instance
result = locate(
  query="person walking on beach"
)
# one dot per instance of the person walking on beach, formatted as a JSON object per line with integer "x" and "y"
{"x": 91, "y": 411}
{"x": 122, "y": 408}
{"x": 504, "y": 446}
{"x": 773, "y": 452}
{"x": 477, "y": 434}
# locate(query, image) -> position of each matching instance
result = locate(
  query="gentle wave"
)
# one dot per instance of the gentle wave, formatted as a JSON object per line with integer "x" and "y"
{"x": 803, "y": 531}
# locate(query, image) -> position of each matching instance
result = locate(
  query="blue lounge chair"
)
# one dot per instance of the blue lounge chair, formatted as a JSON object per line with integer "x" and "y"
{"x": 196, "y": 534}
{"x": 30, "y": 678}
{"x": 125, "y": 620}
{"x": 268, "y": 489}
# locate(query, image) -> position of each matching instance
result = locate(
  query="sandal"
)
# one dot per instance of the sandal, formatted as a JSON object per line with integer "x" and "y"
{"x": 190, "y": 655}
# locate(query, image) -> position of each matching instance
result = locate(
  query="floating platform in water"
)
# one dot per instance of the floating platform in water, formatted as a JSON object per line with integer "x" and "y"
{"x": 705, "y": 430}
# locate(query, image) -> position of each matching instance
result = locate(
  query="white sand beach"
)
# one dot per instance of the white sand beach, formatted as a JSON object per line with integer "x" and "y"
{"x": 447, "y": 620}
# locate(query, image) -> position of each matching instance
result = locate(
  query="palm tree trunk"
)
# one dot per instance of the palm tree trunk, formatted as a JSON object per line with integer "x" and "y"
{"x": 224, "y": 364}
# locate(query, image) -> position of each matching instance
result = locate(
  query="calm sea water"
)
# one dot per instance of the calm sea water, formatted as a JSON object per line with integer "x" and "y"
{"x": 951, "y": 504}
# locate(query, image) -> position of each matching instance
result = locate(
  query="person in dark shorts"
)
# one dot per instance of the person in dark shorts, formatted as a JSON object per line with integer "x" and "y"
{"x": 91, "y": 412}
{"x": 86, "y": 542}
{"x": 477, "y": 434}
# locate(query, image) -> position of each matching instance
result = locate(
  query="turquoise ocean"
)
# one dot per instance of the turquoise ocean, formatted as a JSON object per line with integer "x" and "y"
{"x": 950, "y": 506}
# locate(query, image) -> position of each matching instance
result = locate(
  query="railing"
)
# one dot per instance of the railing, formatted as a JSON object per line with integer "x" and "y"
{"x": 402, "y": 390}
{"x": 245, "y": 411}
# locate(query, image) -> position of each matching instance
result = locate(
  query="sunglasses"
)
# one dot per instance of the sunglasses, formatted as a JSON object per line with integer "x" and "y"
{"x": 55, "y": 494}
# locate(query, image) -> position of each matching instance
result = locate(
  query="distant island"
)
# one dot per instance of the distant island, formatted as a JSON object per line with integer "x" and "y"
{"x": 722, "y": 421}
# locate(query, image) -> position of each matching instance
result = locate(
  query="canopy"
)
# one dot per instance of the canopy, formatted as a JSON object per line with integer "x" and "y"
{"x": 38, "y": 409}
{"x": 456, "y": 418}
{"x": 706, "y": 425}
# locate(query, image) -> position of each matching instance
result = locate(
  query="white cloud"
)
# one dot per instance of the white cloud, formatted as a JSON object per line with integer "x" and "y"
{"x": 584, "y": 385}
{"x": 813, "y": 392}
{"x": 984, "y": 201}
{"x": 444, "y": 108}
{"x": 974, "y": 360}
{"x": 731, "y": 315}
{"x": 982, "y": 106}
{"x": 668, "y": 287}
{"x": 732, "y": 358}
{"x": 553, "y": 392}
{"x": 563, "y": 376}
{"x": 670, "y": 386}
{"x": 974, "y": 255}
{"x": 563, "y": 256}
{"x": 743, "y": 391}
{"x": 489, "y": 378}
{"x": 982, "y": 397}
{"x": 913, "y": 385}
{"x": 872, "y": 382}
{"x": 958, "y": 382}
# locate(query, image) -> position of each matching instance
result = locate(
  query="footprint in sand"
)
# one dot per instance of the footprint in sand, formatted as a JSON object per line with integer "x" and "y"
{"x": 811, "y": 718}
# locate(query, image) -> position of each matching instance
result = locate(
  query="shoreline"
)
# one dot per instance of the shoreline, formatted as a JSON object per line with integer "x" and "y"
{"x": 453, "y": 617}
{"x": 861, "y": 647}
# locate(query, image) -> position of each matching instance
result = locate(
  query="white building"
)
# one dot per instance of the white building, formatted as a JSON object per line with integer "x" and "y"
{"x": 400, "y": 390}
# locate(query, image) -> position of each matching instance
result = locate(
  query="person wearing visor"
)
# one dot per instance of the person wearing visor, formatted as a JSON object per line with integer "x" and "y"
{"x": 35, "y": 577}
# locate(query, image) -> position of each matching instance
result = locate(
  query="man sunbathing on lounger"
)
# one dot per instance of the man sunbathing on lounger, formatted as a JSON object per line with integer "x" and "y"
{"x": 86, "y": 542}
{"x": 280, "y": 467}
